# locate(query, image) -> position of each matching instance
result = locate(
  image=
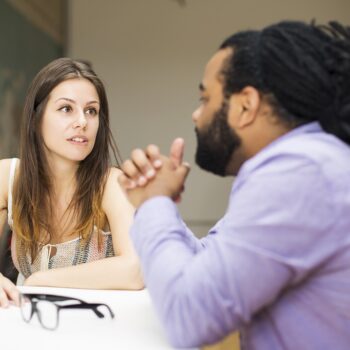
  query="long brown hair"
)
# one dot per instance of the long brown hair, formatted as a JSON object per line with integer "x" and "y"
{"x": 32, "y": 205}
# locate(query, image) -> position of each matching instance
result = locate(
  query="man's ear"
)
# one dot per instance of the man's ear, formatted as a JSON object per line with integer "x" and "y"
{"x": 244, "y": 107}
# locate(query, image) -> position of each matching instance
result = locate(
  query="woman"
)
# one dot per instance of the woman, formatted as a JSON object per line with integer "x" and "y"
{"x": 70, "y": 219}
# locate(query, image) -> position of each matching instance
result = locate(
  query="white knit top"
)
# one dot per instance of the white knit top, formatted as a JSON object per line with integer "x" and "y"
{"x": 50, "y": 256}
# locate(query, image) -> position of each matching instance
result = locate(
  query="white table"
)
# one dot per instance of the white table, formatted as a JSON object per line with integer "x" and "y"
{"x": 135, "y": 325}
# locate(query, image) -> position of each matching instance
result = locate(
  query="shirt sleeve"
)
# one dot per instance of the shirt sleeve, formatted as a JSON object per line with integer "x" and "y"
{"x": 268, "y": 240}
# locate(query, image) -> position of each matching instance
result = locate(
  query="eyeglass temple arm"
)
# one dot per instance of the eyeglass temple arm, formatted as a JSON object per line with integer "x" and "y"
{"x": 83, "y": 304}
{"x": 51, "y": 297}
{"x": 91, "y": 306}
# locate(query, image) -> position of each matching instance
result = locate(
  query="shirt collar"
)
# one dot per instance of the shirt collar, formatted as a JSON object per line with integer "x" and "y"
{"x": 250, "y": 164}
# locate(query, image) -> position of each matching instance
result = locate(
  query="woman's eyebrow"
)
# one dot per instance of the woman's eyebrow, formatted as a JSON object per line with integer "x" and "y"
{"x": 73, "y": 101}
{"x": 66, "y": 99}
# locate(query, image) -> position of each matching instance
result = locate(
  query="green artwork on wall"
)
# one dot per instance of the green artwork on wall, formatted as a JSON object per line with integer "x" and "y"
{"x": 24, "y": 50}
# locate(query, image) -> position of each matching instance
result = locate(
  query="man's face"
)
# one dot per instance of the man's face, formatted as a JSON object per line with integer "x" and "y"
{"x": 216, "y": 143}
{"x": 216, "y": 139}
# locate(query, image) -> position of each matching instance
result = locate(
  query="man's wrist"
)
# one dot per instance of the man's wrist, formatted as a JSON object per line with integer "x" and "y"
{"x": 150, "y": 196}
{"x": 151, "y": 199}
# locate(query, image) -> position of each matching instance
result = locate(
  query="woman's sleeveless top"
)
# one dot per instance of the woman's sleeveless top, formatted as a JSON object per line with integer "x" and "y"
{"x": 68, "y": 253}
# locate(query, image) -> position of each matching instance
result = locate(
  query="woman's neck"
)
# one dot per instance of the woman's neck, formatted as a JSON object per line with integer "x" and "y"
{"x": 63, "y": 174}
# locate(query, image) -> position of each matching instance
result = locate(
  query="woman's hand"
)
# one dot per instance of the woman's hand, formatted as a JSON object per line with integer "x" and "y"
{"x": 8, "y": 292}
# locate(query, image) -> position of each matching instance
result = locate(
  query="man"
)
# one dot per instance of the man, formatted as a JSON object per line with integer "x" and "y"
{"x": 275, "y": 112}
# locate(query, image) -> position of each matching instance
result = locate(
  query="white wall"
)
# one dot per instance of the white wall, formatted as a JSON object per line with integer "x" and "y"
{"x": 151, "y": 55}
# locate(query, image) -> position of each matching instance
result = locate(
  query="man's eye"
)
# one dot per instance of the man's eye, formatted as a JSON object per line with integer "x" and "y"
{"x": 203, "y": 99}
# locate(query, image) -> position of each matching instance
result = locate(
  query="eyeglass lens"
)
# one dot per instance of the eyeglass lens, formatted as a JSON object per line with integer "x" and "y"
{"x": 46, "y": 311}
{"x": 26, "y": 309}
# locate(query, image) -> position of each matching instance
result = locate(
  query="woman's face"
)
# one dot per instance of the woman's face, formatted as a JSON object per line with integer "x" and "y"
{"x": 71, "y": 120}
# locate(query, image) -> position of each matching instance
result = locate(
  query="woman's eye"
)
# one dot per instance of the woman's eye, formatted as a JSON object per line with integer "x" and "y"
{"x": 92, "y": 111}
{"x": 65, "y": 109}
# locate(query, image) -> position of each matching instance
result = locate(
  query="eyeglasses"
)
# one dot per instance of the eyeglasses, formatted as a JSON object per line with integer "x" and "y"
{"x": 48, "y": 307}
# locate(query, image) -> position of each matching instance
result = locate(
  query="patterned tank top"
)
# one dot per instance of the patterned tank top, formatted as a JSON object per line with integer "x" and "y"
{"x": 73, "y": 252}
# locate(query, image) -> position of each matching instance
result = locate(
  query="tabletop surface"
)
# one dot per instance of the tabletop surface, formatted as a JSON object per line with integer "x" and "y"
{"x": 135, "y": 325}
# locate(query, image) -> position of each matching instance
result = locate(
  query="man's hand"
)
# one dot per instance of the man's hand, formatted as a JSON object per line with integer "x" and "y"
{"x": 143, "y": 165}
{"x": 148, "y": 174}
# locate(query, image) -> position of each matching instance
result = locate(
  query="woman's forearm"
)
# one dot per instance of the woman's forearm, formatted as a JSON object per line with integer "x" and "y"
{"x": 110, "y": 273}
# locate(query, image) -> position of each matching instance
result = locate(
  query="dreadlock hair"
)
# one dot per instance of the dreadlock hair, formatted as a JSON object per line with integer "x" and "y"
{"x": 303, "y": 71}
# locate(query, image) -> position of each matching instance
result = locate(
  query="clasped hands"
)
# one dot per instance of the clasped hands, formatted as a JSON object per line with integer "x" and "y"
{"x": 148, "y": 173}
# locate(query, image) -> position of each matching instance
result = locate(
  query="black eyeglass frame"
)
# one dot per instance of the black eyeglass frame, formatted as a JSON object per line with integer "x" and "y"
{"x": 34, "y": 298}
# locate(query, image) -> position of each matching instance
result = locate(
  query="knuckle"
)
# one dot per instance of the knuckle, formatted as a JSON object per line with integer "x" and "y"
{"x": 11, "y": 288}
{"x": 136, "y": 153}
{"x": 128, "y": 166}
{"x": 131, "y": 172}
{"x": 3, "y": 297}
{"x": 152, "y": 149}
{"x": 125, "y": 164}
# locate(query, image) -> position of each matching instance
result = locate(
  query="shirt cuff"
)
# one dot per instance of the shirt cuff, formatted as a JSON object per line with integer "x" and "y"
{"x": 155, "y": 205}
{"x": 154, "y": 216}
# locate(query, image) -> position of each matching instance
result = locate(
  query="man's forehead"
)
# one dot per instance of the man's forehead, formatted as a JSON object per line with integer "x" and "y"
{"x": 215, "y": 64}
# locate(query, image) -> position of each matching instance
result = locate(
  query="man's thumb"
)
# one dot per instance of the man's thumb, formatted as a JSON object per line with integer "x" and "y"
{"x": 184, "y": 170}
{"x": 177, "y": 151}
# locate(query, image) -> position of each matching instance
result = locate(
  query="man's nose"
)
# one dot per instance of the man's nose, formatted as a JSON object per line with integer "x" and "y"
{"x": 195, "y": 115}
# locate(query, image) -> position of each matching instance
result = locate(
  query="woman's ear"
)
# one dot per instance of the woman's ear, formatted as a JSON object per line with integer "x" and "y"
{"x": 244, "y": 107}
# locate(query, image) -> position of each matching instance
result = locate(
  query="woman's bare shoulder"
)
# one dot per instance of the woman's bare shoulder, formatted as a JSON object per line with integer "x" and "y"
{"x": 112, "y": 183}
{"x": 5, "y": 165}
{"x": 113, "y": 173}
{"x": 112, "y": 192}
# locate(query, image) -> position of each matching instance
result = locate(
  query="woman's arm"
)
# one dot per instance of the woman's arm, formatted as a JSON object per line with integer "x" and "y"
{"x": 8, "y": 290}
{"x": 4, "y": 181}
{"x": 119, "y": 272}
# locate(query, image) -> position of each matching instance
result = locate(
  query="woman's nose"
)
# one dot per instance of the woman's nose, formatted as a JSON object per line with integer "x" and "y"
{"x": 81, "y": 120}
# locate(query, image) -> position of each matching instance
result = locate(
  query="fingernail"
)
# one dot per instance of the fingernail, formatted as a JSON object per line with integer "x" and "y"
{"x": 150, "y": 173}
{"x": 131, "y": 185}
{"x": 157, "y": 163}
{"x": 141, "y": 181}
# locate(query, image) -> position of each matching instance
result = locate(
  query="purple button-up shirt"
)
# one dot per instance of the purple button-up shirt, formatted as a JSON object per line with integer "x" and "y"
{"x": 276, "y": 266}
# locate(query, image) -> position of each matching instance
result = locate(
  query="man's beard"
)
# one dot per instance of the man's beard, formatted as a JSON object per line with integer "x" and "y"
{"x": 217, "y": 143}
